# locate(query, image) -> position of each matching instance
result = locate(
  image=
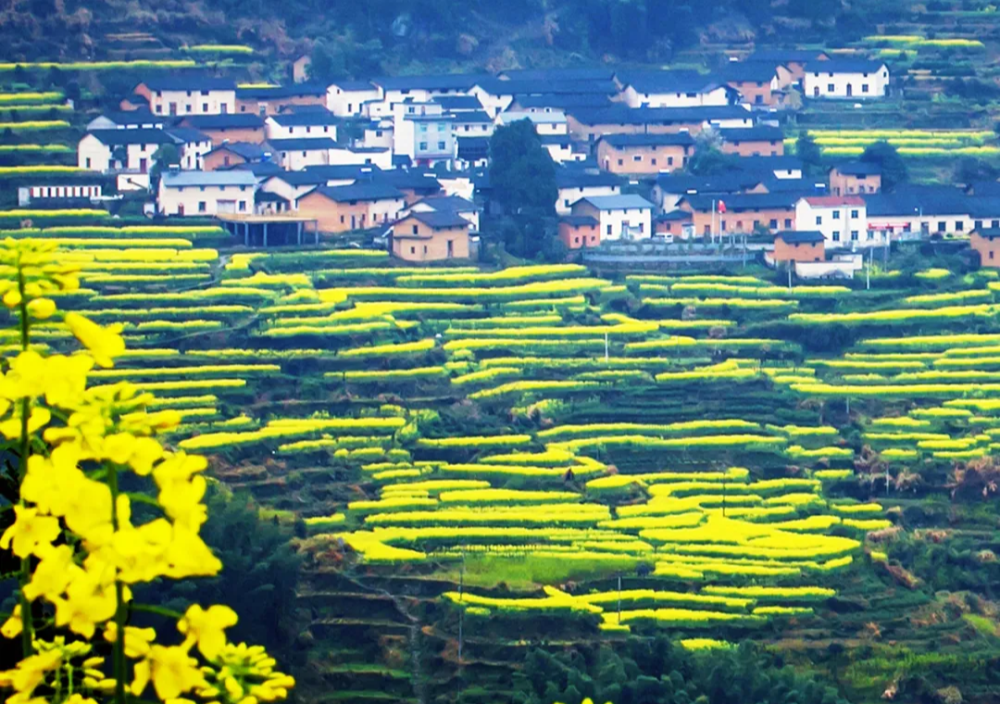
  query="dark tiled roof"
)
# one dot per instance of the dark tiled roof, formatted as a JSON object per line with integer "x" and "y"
{"x": 306, "y": 119}
{"x": 985, "y": 188}
{"x": 760, "y": 133}
{"x": 247, "y": 150}
{"x": 347, "y": 85}
{"x": 473, "y": 147}
{"x": 579, "y": 220}
{"x": 260, "y": 169}
{"x": 568, "y": 177}
{"x": 113, "y": 138}
{"x": 988, "y": 232}
{"x": 781, "y": 56}
{"x": 218, "y": 122}
{"x": 454, "y": 204}
{"x": 911, "y": 200}
{"x": 358, "y": 191}
{"x": 187, "y": 135}
{"x": 623, "y": 115}
{"x": 458, "y": 102}
{"x": 301, "y": 144}
{"x": 729, "y": 182}
{"x": 668, "y": 81}
{"x": 769, "y": 163}
{"x": 133, "y": 117}
{"x": 752, "y": 71}
{"x": 448, "y": 81}
{"x": 411, "y": 180}
{"x": 800, "y": 236}
{"x": 562, "y": 102}
{"x": 680, "y": 139}
{"x": 743, "y": 201}
{"x": 472, "y": 116}
{"x": 495, "y": 86}
{"x": 294, "y": 90}
{"x": 186, "y": 83}
{"x": 674, "y": 215}
{"x": 440, "y": 219}
{"x": 858, "y": 168}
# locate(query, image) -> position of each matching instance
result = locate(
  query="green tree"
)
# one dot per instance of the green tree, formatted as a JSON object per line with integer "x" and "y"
{"x": 523, "y": 181}
{"x": 894, "y": 170}
{"x": 163, "y": 158}
{"x": 809, "y": 153}
{"x": 710, "y": 161}
{"x": 970, "y": 169}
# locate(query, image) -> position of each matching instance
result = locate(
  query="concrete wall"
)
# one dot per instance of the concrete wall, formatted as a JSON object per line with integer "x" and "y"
{"x": 849, "y": 86}
{"x": 988, "y": 249}
{"x": 210, "y": 200}
{"x": 612, "y": 223}
{"x": 417, "y": 242}
{"x": 784, "y": 252}
{"x": 579, "y": 236}
{"x": 642, "y": 160}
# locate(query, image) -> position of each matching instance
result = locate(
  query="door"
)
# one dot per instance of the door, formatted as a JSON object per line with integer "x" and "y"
{"x": 180, "y": 209}
{"x": 226, "y": 206}
{"x": 173, "y": 108}
{"x": 451, "y": 249}
{"x": 850, "y": 90}
{"x": 142, "y": 165}
{"x": 354, "y": 225}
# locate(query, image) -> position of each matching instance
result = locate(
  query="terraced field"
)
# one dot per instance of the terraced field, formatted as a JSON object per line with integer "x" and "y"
{"x": 478, "y": 462}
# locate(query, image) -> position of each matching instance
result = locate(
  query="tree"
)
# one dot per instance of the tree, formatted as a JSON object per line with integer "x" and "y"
{"x": 708, "y": 162}
{"x": 809, "y": 153}
{"x": 894, "y": 170}
{"x": 523, "y": 181}
{"x": 163, "y": 157}
{"x": 969, "y": 169}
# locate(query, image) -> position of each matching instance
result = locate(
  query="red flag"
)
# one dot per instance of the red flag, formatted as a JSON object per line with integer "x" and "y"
{"x": 722, "y": 206}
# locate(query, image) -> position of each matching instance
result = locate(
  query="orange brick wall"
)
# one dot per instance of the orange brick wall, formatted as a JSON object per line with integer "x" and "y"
{"x": 243, "y": 134}
{"x": 428, "y": 244}
{"x": 758, "y": 148}
{"x": 587, "y": 133}
{"x": 988, "y": 248}
{"x": 577, "y": 236}
{"x": 841, "y": 185}
{"x": 751, "y": 91}
{"x": 744, "y": 222}
{"x": 665, "y": 156}
{"x": 273, "y": 105}
{"x": 217, "y": 160}
{"x": 784, "y": 252}
{"x": 334, "y": 217}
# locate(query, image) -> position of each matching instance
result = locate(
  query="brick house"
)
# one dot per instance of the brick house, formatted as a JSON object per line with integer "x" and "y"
{"x": 676, "y": 223}
{"x": 799, "y": 246}
{"x": 188, "y": 95}
{"x": 355, "y": 207}
{"x": 855, "y": 177}
{"x": 232, "y": 128}
{"x": 740, "y": 212}
{"x": 644, "y": 153}
{"x": 756, "y": 81}
{"x": 230, "y": 154}
{"x": 578, "y": 231}
{"x": 430, "y": 236}
{"x": 753, "y": 141}
{"x": 271, "y": 101}
{"x": 986, "y": 242}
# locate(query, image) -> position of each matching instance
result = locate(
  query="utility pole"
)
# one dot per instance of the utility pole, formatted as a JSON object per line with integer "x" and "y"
{"x": 619, "y": 599}
{"x": 606, "y": 348}
{"x": 461, "y": 613}
{"x": 789, "y": 277}
{"x": 868, "y": 270}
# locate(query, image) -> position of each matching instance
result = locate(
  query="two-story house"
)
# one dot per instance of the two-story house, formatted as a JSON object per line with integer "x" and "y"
{"x": 846, "y": 79}
{"x": 188, "y": 95}
{"x": 618, "y": 217}
{"x": 644, "y": 153}
{"x": 206, "y": 193}
{"x": 301, "y": 125}
{"x": 843, "y": 220}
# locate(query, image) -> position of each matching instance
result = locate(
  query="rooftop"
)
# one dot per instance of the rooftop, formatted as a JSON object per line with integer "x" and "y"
{"x": 752, "y": 71}
{"x": 458, "y": 102}
{"x": 845, "y": 66}
{"x": 448, "y": 81}
{"x": 760, "y": 133}
{"x": 619, "y": 202}
{"x": 362, "y": 190}
{"x": 294, "y": 90}
{"x": 738, "y": 202}
{"x": 188, "y": 83}
{"x": 439, "y": 219}
{"x": 800, "y": 236}
{"x": 114, "y": 138}
{"x": 562, "y": 101}
{"x": 231, "y": 121}
{"x": 187, "y": 135}
{"x": 834, "y": 201}
{"x": 579, "y": 220}
{"x": 668, "y": 81}
{"x": 454, "y": 204}
{"x": 558, "y": 74}
{"x": 623, "y": 115}
{"x": 781, "y": 56}
{"x": 858, "y": 168}
{"x": 305, "y": 119}
{"x": 347, "y": 85}
{"x": 577, "y": 178}
{"x": 680, "y": 139}
{"x": 247, "y": 150}
{"x": 496, "y": 86}
{"x": 177, "y": 179}
{"x": 303, "y": 144}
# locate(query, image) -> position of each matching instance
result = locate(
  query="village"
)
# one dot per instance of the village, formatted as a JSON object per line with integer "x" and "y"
{"x": 404, "y": 161}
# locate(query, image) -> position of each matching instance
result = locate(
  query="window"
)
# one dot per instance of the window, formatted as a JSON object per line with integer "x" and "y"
{"x": 378, "y": 133}
{"x": 243, "y": 188}
{"x": 864, "y": 87}
{"x": 187, "y": 108}
{"x": 836, "y": 237}
{"x": 959, "y": 225}
{"x": 621, "y": 162}
{"x": 788, "y": 223}
{"x": 642, "y": 227}
{"x": 995, "y": 223}
{"x": 423, "y": 127}
{"x": 829, "y": 88}
{"x": 204, "y": 107}
{"x": 773, "y": 224}
{"x": 202, "y": 206}
{"x": 854, "y": 235}
{"x": 88, "y": 162}
{"x": 836, "y": 215}
{"x": 609, "y": 229}
{"x": 243, "y": 205}
{"x": 425, "y": 249}
{"x": 854, "y": 214}
{"x": 653, "y": 161}
{"x": 202, "y": 189}
{"x": 423, "y": 146}
{"x": 941, "y": 226}
{"x": 978, "y": 224}
{"x": 991, "y": 254}
{"x": 189, "y": 94}
{"x": 637, "y": 157}
{"x": 868, "y": 235}
{"x": 341, "y": 219}
{"x": 819, "y": 219}
{"x": 416, "y": 229}
{"x": 413, "y": 250}
{"x": 670, "y": 161}
{"x": 440, "y": 145}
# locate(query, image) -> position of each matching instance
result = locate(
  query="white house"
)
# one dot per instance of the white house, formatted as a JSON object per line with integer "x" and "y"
{"x": 378, "y": 134}
{"x": 853, "y": 79}
{"x": 843, "y": 220}
{"x": 297, "y": 154}
{"x": 204, "y": 193}
{"x": 671, "y": 89}
{"x": 422, "y": 132}
{"x": 419, "y": 89}
{"x": 349, "y": 98}
{"x": 120, "y": 150}
{"x": 126, "y": 120}
{"x": 342, "y": 155}
{"x": 188, "y": 95}
{"x": 471, "y": 123}
{"x": 618, "y": 217}
{"x": 301, "y": 125}
{"x": 576, "y": 184}
{"x": 192, "y": 146}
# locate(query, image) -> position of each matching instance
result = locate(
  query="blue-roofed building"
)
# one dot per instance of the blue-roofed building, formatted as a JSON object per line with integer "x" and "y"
{"x": 574, "y": 184}
{"x": 589, "y": 124}
{"x": 206, "y": 193}
{"x": 760, "y": 140}
{"x": 296, "y": 154}
{"x": 302, "y": 124}
{"x": 619, "y": 217}
{"x": 346, "y": 98}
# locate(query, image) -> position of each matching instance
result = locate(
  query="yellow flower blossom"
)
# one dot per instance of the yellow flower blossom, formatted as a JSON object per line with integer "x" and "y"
{"x": 50, "y": 483}
{"x": 104, "y": 343}
{"x": 78, "y": 698}
{"x": 42, "y": 308}
{"x": 207, "y": 626}
{"x": 89, "y": 600}
{"x": 30, "y": 672}
{"x": 188, "y": 556}
{"x": 13, "y": 626}
{"x": 29, "y": 531}
{"x": 172, "y": 671}
{"x": 53, "y": 574}
{"x": 182, "y": 502}
{"x": 138, "y": 453}
{"x": 37, "y": 419}
{"x": 137, "y": 640}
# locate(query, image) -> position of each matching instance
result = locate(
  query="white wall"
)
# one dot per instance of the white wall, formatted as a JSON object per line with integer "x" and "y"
{"x": 297, "y": 160}
{"x": 347, "y": 103}
{"x": 836, "y": 86}
{"x": 568, "y": 196}
{"x": 212, "y": 102}
{"x": 272, "y": 130}
{"x": 837, "y": 224}
{"x": 612, "y": 222}
{"x": 92, "y": 154}
{"x": 193, "y": 154}
{"x": 216, "y": 199}
{"x": 493, "y": 105}
{"x": 631, "y": 97}
{"x": 380, "y": 136}
{"x": 345, "y": 157}
{"x": 286, "y": 191}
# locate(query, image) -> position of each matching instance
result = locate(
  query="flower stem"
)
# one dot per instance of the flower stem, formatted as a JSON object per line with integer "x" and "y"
{"x": 118, "y": 666}
{"x": 27, "y": 625}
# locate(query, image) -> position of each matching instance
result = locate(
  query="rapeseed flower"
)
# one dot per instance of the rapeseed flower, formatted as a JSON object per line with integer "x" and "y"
{"x": 206, "y": 627}
{"x": 29, "y": 531}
